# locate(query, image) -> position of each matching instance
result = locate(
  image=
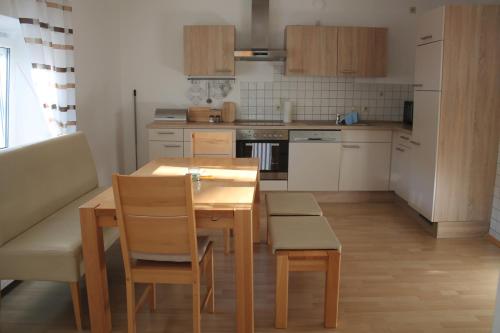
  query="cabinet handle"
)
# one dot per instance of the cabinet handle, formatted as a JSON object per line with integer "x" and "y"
{"x": 224, "y": 70}
{"x": 351, "y": 146}
{"x": 400, "y": 149}
{"x": 426, "y": 37}
{"x": 348, "y": 71}
{"x": 295, "y": 70}
{"x": 172, "y": 146}
{"x": 404, "y": 137}
{"x": 418, "y": 85}
{"x": 166, "y": 133}
{"x": 415, "y": 143}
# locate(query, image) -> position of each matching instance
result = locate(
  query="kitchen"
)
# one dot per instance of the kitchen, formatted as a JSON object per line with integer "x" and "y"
{"x": 384, "y": 112}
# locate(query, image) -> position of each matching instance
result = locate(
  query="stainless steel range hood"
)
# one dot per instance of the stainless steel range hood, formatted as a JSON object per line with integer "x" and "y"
{"x": 260, "y": 37}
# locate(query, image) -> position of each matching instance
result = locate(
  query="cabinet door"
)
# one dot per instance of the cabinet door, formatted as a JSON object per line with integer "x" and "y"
{"x": 423, "y": 152}
{"x": 209, "y": 50}
{"x": 314, "y": 167}
{"x": 158, "y": 149}
{"x": 429, "y": 66}
{"x": 430, "y": 26}
{"x": 362, "y": 51}
{"x": 311, "y": 50}
{"x": 400, "y": 170}
{"x": 365, "y": 167}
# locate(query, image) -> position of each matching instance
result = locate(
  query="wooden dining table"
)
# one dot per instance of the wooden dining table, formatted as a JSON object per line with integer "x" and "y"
{"x": 227, "y": 195}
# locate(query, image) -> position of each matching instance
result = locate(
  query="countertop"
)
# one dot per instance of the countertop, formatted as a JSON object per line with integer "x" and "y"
{"x": 301, "y": 125}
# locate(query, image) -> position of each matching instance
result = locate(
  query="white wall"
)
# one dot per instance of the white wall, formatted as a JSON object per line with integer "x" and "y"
{"x": 97, "y": 66}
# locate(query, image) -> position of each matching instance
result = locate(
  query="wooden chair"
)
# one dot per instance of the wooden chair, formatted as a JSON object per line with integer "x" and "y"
{"x": 214, "y": 144}
{"x": 158, "y": 240}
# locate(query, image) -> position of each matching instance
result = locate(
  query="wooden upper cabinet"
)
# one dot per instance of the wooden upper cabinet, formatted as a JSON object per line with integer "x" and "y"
{"x": 209, "y": 50}
{"x": 311, "y": 50}
{"x": 362, "y": 52}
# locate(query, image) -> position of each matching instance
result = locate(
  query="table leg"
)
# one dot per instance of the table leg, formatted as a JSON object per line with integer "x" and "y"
{"x": 243, "y": 256}
{"x": 256, "y": 215}
{"x": 95, "y": 272}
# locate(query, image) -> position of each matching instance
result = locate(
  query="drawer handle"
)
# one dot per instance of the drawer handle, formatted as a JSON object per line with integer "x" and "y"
{"x": 415, "y": 143}
{"x": 426, "y": 37}
{"x": 171, "y": 146}
{"x": 224, "y": 70}
{"x": 166, "y": 133}
{"x": 400, "y": 149}
{"x": 404, "y": 137}
{"x": 348, "y": 71}
{"x": 351, "y": 146}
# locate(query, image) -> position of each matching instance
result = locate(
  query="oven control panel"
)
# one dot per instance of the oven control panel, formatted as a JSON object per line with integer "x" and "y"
{"x": 262, "y": 134}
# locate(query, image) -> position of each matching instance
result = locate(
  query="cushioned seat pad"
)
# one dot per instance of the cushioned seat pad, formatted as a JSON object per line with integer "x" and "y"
{"x": 51, "y": 250}
{"x": 291, "y": 204}
{"x": 302, "y": 233}
{"x": 203, "y": 242}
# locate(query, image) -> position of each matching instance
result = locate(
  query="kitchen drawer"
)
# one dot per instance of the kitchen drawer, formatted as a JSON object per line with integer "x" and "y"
{"x": 188, "y": 132}
{"x": 401, "y": 139}
{"x": 158, "y": 149}
{"x": 366, "y": 136}
{"x": 167, "y": 134}
{"x": 430, "y": 26}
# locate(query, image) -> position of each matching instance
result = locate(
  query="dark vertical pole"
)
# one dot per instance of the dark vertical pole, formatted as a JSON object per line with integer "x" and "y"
{"x": 135, "y": 130}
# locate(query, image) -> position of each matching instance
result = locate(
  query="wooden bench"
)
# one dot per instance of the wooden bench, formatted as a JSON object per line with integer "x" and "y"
{"x": 291, "y": 204}
{"x": 305, "y": 244}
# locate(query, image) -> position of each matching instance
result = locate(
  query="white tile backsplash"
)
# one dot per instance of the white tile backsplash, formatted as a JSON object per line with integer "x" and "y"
{"x": 322, "y": 98}
{"x": 495, "y": 213}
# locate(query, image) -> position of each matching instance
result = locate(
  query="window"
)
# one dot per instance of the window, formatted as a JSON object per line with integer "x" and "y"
{"x": 4, "y": 97}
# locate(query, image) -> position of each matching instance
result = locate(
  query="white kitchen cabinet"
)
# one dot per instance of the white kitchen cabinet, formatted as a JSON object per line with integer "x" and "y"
{"x": 400, "y": 165}
{"x": 314, "y": 166}
{"x": 159, "y": 149}
{"x": 365, "y": 166}
{"x": 165, "y": 143}
{"x": 430, "y": 26}
{"x": 423, "y": 152}
{"x": 429, "y": 66}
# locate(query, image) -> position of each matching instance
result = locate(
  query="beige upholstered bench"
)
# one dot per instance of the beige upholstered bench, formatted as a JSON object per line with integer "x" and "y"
{"x": 291, "y": 204}
{"x": 42, "y": 187}
{"x": 305, "y": 244}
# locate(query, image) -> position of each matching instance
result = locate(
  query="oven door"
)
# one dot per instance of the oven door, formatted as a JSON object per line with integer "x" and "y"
{"x": 272, "y": 155}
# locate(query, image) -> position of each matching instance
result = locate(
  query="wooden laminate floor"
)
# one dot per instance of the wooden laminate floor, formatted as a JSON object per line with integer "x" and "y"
{"x": 395, "y": 278}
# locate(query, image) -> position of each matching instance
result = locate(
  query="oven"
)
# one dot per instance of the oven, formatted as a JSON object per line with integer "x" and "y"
{"x": 270, "y": 146}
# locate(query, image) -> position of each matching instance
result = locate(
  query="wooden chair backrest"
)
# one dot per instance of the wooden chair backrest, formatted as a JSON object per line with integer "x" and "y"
{"x": 155, "y": 215}
{"x": 213, "y": 144}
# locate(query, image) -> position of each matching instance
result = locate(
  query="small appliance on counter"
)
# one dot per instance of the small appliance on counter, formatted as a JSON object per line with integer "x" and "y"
{"x": 173, "y": 115}
{"x": 408, "y": 113}
{"x": 228, "y": 112}
{"x": 287, "y": 108}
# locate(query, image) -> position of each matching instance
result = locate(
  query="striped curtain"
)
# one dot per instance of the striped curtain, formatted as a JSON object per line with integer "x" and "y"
{"x": 48, "y": 33}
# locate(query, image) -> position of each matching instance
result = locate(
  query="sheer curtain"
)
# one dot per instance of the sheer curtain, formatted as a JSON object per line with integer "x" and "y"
{"x": 48, "y": 32}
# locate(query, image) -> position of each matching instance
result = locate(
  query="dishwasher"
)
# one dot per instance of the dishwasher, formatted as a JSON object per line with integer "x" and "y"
{"x": 314, "y": 160}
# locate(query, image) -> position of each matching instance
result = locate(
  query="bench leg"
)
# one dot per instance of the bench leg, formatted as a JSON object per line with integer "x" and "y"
{"x": 281, "y": 310}
{"x": 332, "y": 285}
{"x": 77, "y": 309}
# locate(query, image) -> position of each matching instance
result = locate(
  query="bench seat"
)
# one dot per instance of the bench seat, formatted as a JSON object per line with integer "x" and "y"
{"x": 302, "y": 233}
{"x": 51, "y": 250}
{"x": 292, "y": 204}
